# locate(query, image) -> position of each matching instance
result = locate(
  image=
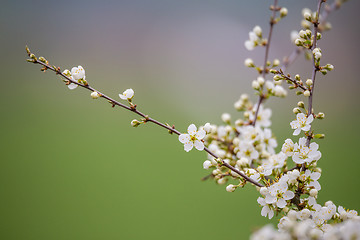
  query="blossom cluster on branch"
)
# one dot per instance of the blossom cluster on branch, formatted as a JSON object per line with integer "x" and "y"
{"x": 244, "y": 149}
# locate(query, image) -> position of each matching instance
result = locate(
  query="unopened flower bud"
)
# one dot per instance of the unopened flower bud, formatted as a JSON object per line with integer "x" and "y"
{"x": 239, "y": 122}
{"x": 244, "y": 162}
{"x": 305, "y": 24}
{"x": 207, "y": 127}
{"x": 328, "y": 67}
{"x": 307, "y": 16}
{"x": 95, "y": 95}
{"x": 319, "y": 136}
{"x": 221, "y": 181}
{"x": 277, "y": 78}
{"x": 309, "y": 82}
{"x": 292, "y": 214}
{"x": 301, "y": 104}
{"x": 318, "y": 37}
{"x": 236, "y": 141}
{"x": 276, "y": 62}
{"x": 249, "y": 62}
{"x": 264, "y": 191}
{"x": 324, "y": 71}
{"x": 244, "y": 97}
{"x": 273, "y": 71}
{"x": 307, "y": 93}
{"x": 257, "y": 30}
{"x": 42, "y": 59}
{"x": 317, "y": 53}
{"x": 66, "y": 72}
{"x": 302, "y": 34}
{"x": 230, "y": 188}
{"x": 216, "y": 172}
{"x": 296, "y": 110}
{"x": 135, "y": 123}
{"x": 308, "y": 33}
{"x": 261, "y": 80}
{"x": 255, "y": 85}
{"x": 320, "y": 115}
{"x": 283, "y": 12}
{"x": 207, "y": 164}
{"x": 225, "y": 117}
{"x": 298, "y": 42}
{"x": 313, "y": 193}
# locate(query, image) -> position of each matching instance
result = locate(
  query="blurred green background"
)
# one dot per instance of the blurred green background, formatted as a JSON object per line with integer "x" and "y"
{"x": 74, "y": 168}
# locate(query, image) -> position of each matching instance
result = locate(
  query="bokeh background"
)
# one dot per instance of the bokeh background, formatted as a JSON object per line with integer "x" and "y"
{"x": 73, "y": 168}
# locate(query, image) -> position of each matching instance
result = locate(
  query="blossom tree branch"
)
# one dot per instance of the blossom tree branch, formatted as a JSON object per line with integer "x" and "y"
{"x": 264, "y": 71}
{"x": 42, "y": 61}
{"x": 335, "y": 5}
{"x": 316, "y": 65}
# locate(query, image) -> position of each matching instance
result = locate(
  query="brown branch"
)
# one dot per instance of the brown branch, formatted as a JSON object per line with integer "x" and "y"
{"x": 133, "y": 109}
{"x": 315, "y": 68}
{"x": 265, "y": 70}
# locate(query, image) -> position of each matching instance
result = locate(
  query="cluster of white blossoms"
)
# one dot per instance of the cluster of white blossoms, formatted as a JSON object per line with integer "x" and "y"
{"x": 246, "y": 150}
{"x": 77, "y": 74}
{"x": 255, "y": 39}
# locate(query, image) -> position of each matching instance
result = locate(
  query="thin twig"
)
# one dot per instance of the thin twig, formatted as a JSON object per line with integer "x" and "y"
{"x": 264, "y": 72}
{"x": 146, "y": 117}
{"x": 315, "y": 68}
{"x": 322, "y": 20}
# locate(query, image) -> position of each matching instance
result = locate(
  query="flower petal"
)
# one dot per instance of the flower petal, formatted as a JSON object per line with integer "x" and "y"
{"x": 288, "y": 195}
{"x": 309, "y": 119}
{"x": 199, "y": 145}
{"x": 72, "y": 86}
{"x": 184, "y": 138}
{"x": 188, "y": 146}
{"x": 123, "y": 97}
{"x": 192, "y": 129}
{"x": 281, "y": 203}
{"x": 297, "y": 131}
{"x": 270, "y": 199}
{"x": 200, "y": 134}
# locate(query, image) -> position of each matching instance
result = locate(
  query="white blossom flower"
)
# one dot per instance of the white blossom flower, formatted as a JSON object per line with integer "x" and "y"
{"x": 128, "y": 94}
{"x": 345, "y": 214}
{"x": 278, "y": 160}
{"x": 270, "y": 142}
{"x": 301, "y": 123}
{"x": 264, "y": 171}
{"x": 253, "y": 174}
{"x": 303, "y": 154}
{"x": 78, "y": 73}
{"x": 267, "y": 208}
{"x": 311, "y": 178}
{"x": 254, "y": 38}
{"x": 95, "y": 95}
{"x": 247, "y": 150}
{"x": 279, "y": 193}
{"x": 304, "y": 214}
{"x": 288, "y": 147}
{"x": 193, "y": 138}
{"x": 263, "y": 117}
{"x": 250, "y": 133}
{"x": 67, "y": 73}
